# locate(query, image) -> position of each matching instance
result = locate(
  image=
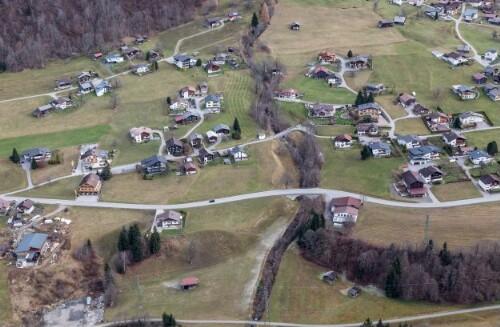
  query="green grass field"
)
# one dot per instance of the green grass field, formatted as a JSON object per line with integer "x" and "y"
{"x": 300, "y": 296}
{"x": 315, "y": 90}
{"x": 455, "y": 191}
{"x": 411, "y": 126}
{"x": 344, "y": 170}
{"x": 53, "y": 140}
{"x": 61, "y": 189}
{"x": 480, "y": 37}
{"x": 5, "y": 307}
{"x": 482, "y": 138}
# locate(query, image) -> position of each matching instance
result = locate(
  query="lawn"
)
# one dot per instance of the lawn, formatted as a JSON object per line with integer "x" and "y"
{"x": 480, "y": 37}
{"x": 344, "y": 170}
{"x": 315, "y": 90}
{"x": 299, "y": 296}
{"x": 53, "y": 140}
{"x": 492, "y": 168}
{"x": 211, "y": 181}
{"x": 70, "y": 155}
{"x": 455, "y": 191}
{"x": 334, "y": 130}
{"x": 384, "y": 225}
{"x": 37, "y": 81}
{"x": 61, "y": 189}
{"x": 394, "y": 110}
{"x": 5, "y": 307}
{"x": 12, "y": 176}
{"x": 411, "y": 126}
{"x": 480, "y": 139}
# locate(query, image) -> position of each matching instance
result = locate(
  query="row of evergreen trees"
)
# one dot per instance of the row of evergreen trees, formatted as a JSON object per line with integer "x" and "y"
{"x": 131, "y": 244}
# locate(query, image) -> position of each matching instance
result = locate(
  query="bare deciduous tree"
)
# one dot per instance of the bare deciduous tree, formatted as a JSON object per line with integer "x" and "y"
{"x": 192, "y": 250}
{"x": 115, "y": 101}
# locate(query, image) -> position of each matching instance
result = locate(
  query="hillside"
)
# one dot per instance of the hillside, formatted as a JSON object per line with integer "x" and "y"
{"x": 33, "y": 31}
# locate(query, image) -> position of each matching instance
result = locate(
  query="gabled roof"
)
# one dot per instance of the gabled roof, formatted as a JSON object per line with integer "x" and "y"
{"x": 189, "y": 166}
{"x": 182, "y": 58}
{"x": 478, "y": 154}
{"x": 195, "y": 136}
{"x": 31, "y": 241}
{"x": 450, "y": 136}
{"x": 478, "y": 76}
{"x": 221, "y": 127}
{"x": 409, "y": 138}
{"x": 409, "y": 177}
{"x": 371, "y": 105}
{"x": 380, "y": 146}
{"x": 211, "y": 134}
{"x": 236, "y": 149}
{"x": 172, "y": 142}
{"x": 187, "y": 281}
{"x": 91, "y": 179}
{"x": 212, "y": 97}
{"x": 423, "y": 150}
{"x": 35, "y": 152}
{"x": 347, "y": 201}
{"x": 26, "y": 204}
{"x": 153, "y": 160}
{"x": 489, "y": 179}
{"x": 343, "y": 138}
{"x": 169, "y": 215}
{"x": 429, "y": 170}
{"x": 467, "y": 114}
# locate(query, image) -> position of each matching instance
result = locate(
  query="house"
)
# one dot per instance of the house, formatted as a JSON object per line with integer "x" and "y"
{"x": 423, "y": 154}
{"x": 362, "y": 61}
{"x": 169, "y": 219}
{"x": 288, "y": 93}
{"x": 479, "y": 78}
{"x": 152, "y": 55}
{"x": 342, "y": 141}
{"x": 452, "y": 8}
{"x": 374, "y": 88}
{"x": 221, "y": 129}
{"x": 39, "y": 154}
{"x": 489, "y": 183}
{"x": 238, "y": 153}
{"x": 86, "y": 76}
{"x": 416, "y": 3}
{"x": 464, "y": 92}
{"x": 396, "y": 2}
{"x": 345, "y": 209}
{"x": 261, "y": 136}
{"x": 141, "y": 69}
{"x": 26, "y": 207}
{"x": 179, "y": 104}
{"x": 219, "y": 59}
{"x": 140, "y": 39}
{"x": 463, "y": 48}
{"x": 490, "y": 71}
{"x": 414, "y": 184}
{"x": 367, "y": 129}
{"x": 399, "y": 20}
{"x": 329, "y": 277}
{"x": 491, "y": 55}
{"x": 320, "y": 110}
{"x": 213, "y": 22}
{"x": 187, "y": 92}
{"x": 62, "y": 84}
{"x": 295, "y": 26}
{"x": 203, "y": 88}
{"x": 234, "y": 15}
{"x": 4, "y": 206}
{"x": 480, "y": 157}
{"x": 91, "y": 184}
{"x": 494, "y": 21}
{"x": 319, "y": 72}
{"x": 187, "y": 118}
{"x": 420, "y": 110}
{"x": 189, "y": 283}
{"x": 212, "y": 103}
{"x": 406, "y": 100}
{"x": 155, "y": 164}
{"x": 385, "y": 23}
{"x": 113, "y": 58}
{"x": 212, "y": 68}
{"x": 141, "y": 134}
{"x": 184, "y": 61}
{"x": 409, "y": 141}
{"x": 470, "y": 118}
{"x": 454, "y": 58}
{"x": 131, "y": 53}
{"x": 174, "y": 146}
{"x": 368, "y": 112}
{"x": 101, "y": 87}
{"x": 29, "y": 249}
{"x": 42, "y": 111}
{"x": 354, "y": 292}
{"x": 326, "y": 57}
{"x": 196, "y": 140}
{"x": 61, "y": 103}
{"x": 85, "y": 88}
{"x": 97, "y": 56}
{"x": 438, "y": 118}
{"x": 492, "y": 91}
{"x": 454, "y": 139}
{"x": 470, "y": 15}
{"x": 475, "y": 3}
{"x": 380, "y": 149}
{"x": 431, "y": 174}
{"x": 92, "y": 157}
{"x": 189, "y": 168}
{"x": 205, "y": 156}
{"x": 212, "y": 137}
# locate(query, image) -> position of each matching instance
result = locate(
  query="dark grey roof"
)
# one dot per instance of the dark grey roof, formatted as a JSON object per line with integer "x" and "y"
{"x": 429, "y": 170}
{"x": 31, "y": 241}
{"x": 221, "y": 127}
{"x": 380, "y": 146}
{"x": 409, "y": 177}
{"x": 371, "y": 105}
{"x": 409, "y": 138}
{"x": 477, "y": 154}
{"x": 172, "y": 141}
{"x": 153, "y": 160}
{"x": 35, "y": 152}
{"x": 423, "y": 150}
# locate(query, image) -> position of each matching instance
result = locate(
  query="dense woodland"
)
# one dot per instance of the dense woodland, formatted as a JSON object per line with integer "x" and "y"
{"x": 429, "y": 272}
{"x": 33, "y": 31}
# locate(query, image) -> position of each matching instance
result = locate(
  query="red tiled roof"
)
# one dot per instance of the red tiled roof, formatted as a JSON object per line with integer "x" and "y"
{"x": 346, "y": 201}
{"x": 186, "y": 281}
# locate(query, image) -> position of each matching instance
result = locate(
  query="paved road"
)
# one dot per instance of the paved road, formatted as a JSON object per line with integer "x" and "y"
{"x": 178, "y": 45}
{"x": 263, "y": 194}
{"x": 477, "y": 57}
{"x": 356, "y": 324}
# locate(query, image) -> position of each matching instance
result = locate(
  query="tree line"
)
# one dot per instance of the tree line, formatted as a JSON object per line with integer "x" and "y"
{"x": 34, "y": 31}
{"x": 134, "y": 248}
{"x": 410, "y": 273}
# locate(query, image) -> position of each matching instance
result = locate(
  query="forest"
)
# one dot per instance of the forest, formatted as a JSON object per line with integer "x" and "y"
{"x": 430, "y": 273}
{"x": 33, "y": 31}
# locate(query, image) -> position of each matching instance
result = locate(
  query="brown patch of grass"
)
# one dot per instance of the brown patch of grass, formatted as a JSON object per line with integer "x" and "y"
{"x": 459, "y": 226}
{"x": 395, "y": 111}
{"x": 411, "y": 126}
{"x": 53, "y": 171}
{"x": 455, "y": 191}
{"x": 12, "y": 176}
{"x": 61, "y": 189}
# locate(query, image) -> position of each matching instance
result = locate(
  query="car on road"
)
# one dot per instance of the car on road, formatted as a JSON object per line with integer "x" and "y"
{"x": 211, "y": 201}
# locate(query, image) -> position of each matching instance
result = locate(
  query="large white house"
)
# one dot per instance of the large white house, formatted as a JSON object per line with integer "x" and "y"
{"x": 489, "y": 182}
{"x": 491, "y": 54}
{"x": 169, "y": 219}
{"x": 342, "y": 141}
